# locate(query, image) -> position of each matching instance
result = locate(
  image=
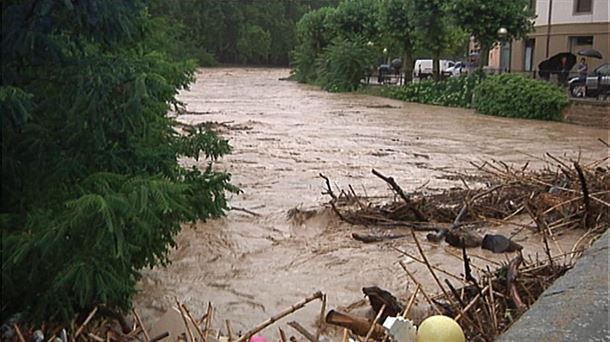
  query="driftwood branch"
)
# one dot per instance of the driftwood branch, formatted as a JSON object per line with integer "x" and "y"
{"x": 418, "y": 215}
{"x": 467, "y": 271}
{"x": 329, "y": 188}
{"x": 511, "y": 278}
{"x": 368, "y": 238}
{"x": 585, "y": 194}
{"x": 247, "y": 211}
{"x": 377, "y": 317}
{"x": 280, "y": 315}
{"x": 357, "y": 325}
{"x": 298, "y": 327}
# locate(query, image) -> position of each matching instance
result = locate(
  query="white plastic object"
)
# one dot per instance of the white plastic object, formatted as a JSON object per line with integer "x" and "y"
{"x": 400, "y": 329}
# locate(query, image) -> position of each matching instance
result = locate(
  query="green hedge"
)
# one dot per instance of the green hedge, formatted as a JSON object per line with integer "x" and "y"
{"x": 344, "y": 64}
{"x": 516, "y": 96}
{"x": 453, "y": 92}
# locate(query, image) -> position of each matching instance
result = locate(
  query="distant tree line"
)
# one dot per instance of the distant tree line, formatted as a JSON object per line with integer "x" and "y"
{"x": 236, "y": 32}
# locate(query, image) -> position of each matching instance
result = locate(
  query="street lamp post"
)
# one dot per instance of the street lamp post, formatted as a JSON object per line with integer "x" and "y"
{"x": 503, "y": 34}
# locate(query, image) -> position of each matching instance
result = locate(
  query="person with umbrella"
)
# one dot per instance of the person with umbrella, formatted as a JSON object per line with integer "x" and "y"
{"x": 564, "y": 71}
{"x": 592, "y": 53}
{"x": 583, "y": 70}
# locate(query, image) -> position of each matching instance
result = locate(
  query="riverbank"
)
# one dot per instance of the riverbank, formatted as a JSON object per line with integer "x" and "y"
{"x": 583, "y": 112}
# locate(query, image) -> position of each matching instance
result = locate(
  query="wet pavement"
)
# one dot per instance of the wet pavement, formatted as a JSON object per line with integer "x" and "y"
{"x": 284, "y": 134}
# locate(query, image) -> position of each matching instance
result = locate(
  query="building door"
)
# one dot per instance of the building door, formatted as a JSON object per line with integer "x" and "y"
{"x": 528, "y": 58}
{"x": 505, "y": 57}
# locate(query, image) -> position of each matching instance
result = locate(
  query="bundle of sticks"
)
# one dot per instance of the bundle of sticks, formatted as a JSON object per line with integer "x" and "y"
{"x": 560, "y": 196}
{"x": 99, "y": 325}
{"x": 488, "y": 302}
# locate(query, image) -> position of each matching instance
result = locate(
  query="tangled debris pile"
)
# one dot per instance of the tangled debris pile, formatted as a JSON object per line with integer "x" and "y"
{"x": 559, "y": 197}
{"x": 556, "y": 198}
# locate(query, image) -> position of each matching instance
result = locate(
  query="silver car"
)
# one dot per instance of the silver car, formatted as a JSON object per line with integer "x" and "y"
{"x": 598, "y": 83}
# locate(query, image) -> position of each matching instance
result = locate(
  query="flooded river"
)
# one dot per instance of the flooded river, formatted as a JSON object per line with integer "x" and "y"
{"x": 284, "y": 134}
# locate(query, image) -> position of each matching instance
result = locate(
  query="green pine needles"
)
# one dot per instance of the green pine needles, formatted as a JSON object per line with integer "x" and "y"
{"x": 92, "y": 191}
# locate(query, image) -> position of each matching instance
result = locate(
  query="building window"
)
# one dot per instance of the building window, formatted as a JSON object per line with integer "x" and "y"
{"x": 583, "y": 6}
{"x": 530, "y": 44}
{"x": 580, "y": 42}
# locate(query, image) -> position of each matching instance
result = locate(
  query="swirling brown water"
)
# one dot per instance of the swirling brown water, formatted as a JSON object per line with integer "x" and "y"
{"x": 284, "y": 134}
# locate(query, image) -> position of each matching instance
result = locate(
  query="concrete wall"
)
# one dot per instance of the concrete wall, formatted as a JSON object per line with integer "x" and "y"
{"x": 588, "y": 113}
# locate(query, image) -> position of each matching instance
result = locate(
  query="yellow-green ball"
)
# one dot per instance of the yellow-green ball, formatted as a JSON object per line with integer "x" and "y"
{"x": 440, "y": 329}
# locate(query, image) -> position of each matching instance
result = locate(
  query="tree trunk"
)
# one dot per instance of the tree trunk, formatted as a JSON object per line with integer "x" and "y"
{"x": 407, "y": 67}
{"x": 436, "y": 67}
{"x": 483, "y": 57}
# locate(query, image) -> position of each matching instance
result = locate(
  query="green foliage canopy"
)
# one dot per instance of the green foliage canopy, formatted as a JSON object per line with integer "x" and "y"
{"x": 343, "y": 64}
{"x": 356, "y": 19}
{"x": 396, "y": 23}
{"x": 313, "y": 36}
{"x": 483, "y": 18}
{"x": 335, "y": 45}
{"x": 432, "y": 24}
{"x": 92, "y": 191}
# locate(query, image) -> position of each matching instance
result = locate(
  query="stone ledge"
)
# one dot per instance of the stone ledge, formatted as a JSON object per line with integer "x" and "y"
{"x": 588, "y": 112}
{"x": 574, "y": 308}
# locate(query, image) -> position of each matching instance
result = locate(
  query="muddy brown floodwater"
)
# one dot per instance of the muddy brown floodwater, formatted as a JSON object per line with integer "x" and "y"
{"x": 284, "y": 134}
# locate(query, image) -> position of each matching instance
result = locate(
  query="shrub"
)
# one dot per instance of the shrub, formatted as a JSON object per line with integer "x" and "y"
{"x": 516, "y": 96}
{"x": 313, "y": 34}
{"x": 92, "y": 187}
{"x": 344, "y": 64}
{"x": 453, "y": 92}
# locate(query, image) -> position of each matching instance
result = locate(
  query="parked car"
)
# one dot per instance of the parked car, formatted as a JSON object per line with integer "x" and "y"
{"x": 598, "y": 82}
{"x": 456, "y": 70}
{"x": 423, "y": 68}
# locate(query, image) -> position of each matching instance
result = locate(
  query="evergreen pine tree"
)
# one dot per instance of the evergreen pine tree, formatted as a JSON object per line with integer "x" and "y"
{"x": 92, "y": 191}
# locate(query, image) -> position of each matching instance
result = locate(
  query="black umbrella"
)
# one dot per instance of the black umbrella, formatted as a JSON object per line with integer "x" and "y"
{"x": 590, "y": 53}
{"x": 396, "y": 63}
{"x": 553, "y": 64}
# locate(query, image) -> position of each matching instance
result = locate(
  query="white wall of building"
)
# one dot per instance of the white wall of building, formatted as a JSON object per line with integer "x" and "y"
{"x": 563, "y": 12}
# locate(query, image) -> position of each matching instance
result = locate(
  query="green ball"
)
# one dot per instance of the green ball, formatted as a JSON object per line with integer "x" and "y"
{"x": 440, "y": 329}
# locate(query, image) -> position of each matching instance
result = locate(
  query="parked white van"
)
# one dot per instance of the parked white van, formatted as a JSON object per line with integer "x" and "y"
{"x": 423, "y": 68}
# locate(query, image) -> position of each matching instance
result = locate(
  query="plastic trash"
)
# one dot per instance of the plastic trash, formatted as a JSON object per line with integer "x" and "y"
{"x": 400, "y": 329}
{"x": 257, "y": 338}
{"x": 440, "y": 329}
{"x": 38, "y": 336}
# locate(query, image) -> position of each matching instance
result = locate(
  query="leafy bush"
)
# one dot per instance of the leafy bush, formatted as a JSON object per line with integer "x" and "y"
{"x": 312, "y": 34}
{"x": 92, "y": 190}
{"x": 344, "y": 64}
{"x": 452, "y": 92}
{"x": 516, "y": 96}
